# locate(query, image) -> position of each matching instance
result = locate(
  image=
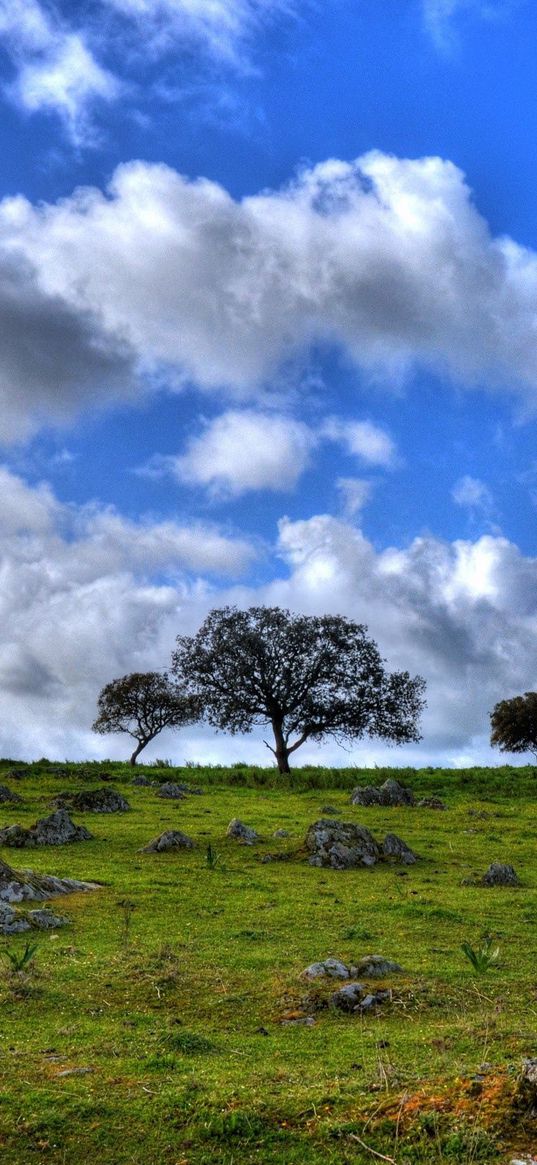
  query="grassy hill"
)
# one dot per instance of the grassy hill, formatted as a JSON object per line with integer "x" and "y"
{"x": 167, "y": 1024}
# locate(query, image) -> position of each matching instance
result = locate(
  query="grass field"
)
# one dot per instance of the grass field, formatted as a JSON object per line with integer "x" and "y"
{"x": 163, "y": 1026}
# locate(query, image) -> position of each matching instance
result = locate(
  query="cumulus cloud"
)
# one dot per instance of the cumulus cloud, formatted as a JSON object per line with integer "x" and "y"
{"x": 472, "y": 493}
{"x": 55, "y": 68}
{"x": 243, "y": 450}
{"x": 87, "y": 595}
{"x": 387, "y": 258}
{"x": 362, "y": 439}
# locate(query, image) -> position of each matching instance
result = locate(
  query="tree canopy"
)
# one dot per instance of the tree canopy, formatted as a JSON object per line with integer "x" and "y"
{"x": 142, "y": 704}
{"x": 306, "y": 676}
{"x": 514, "y": 724}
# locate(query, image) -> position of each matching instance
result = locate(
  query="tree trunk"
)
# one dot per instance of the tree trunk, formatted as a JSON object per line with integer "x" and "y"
{"x": 281, "y": 751}
{"x": 141, "y": 744}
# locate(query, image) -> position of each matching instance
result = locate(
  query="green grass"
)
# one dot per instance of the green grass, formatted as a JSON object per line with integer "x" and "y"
{"x": 174, "y": 1006}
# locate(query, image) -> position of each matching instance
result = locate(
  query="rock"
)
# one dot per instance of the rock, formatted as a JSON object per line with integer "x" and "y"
{"x": 341, "y": 845}
{"x": 8, "y": 795}
{"x": 58, "y": 829}
{"x": 500, "y": 875}
{"x": 281, "y": 833}
{"x": 390, "y": 793}
{"x": 331, "y": 810}
{"x": 376, "y": 967}
{"x": 141, "y": 779}
{"x": 10, "y": 921}
{"x": 349, "y": 997}
{"x": 431, "y": 803}
{"x": 526, "y": 1087}
{"x": 275, "y": 858}
{"x": 23, "y": 885}
{"x": 46, "y": 920}
{"x": 172, "y": 791}
{"x": 240, "y": 832}
{"x": 334, "y": 968}
{"x": 74, "y": 1072}
{"x": 170, "y": 839}
{"x": 395, "y": 849}
{"x": 16, "y": 774}
{"x": 94, "y": 801}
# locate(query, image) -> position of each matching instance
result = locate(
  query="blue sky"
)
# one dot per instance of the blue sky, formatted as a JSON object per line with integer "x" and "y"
{"x": 268, "y": 334}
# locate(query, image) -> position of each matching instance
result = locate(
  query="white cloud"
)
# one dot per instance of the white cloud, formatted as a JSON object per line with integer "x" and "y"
{"x": 362, "y": 439}
{"x": 56, "y": 70}
{"x": 440, "y": 15}
{"x": 355, "y": 493}
{"x": 472, "y": 493}
{"x": 218, "y": 25}
{"x": 386, "y": 257}
{"x": 243, "y": 450}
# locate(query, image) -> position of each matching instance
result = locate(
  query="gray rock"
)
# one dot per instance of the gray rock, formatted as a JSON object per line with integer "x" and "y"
{"x": 10, "y": 921}
{"x": 94, "y": 801}
{"x": 141, "y": 779}
{"x": 369, "y": 795}
{"x": 170, "y": 839}
{"x": 376, "y": 967}
{"x": 341, "y": 845}
{"x": 172, "y": 791}
{"x": 333, "y": 968}
{"x": 390, "y": 793}
{"x": 500, "y": 875}
{"x": 395, "y": 849}
{"x": 45, "y": 919}
{"x": 25, "y": 885}
{"x": 526, "y": 1087}
{"x": 58, "y": 829}
{"x": 240, "y": 832}
{"x": 331, "y": 810}
{"x": 349, "y": 997}
{"x": 8, "y": 794}
{"x": 281, "y": 833}
{"x": 431, "y": 803}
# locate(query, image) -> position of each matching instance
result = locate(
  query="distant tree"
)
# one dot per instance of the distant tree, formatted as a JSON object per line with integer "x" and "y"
{"x": 307, "y": 676}
{"x": 514, "y": 724}
{"x": 142, "y": 704}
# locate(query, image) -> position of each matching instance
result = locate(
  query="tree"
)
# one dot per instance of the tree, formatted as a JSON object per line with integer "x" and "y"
{"x": 307, "y": 676}
{"x": 514, "y": 724}
{"x": 142, "y": 704}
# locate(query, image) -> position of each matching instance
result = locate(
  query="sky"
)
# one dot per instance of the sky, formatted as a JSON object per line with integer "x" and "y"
{"x": 268, "y": 336}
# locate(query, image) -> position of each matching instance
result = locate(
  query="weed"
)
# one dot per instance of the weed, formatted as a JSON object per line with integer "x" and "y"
{"x": 483, "y": 957}
{"x": 212, "y": 858}
{"x": 19, "y": 961}
{"x": 127, "y": 909}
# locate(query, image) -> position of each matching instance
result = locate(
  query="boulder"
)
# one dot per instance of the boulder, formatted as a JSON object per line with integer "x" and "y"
{"x": 341, "y": 845}
{"x": 25, "y": 885}
{"x": 240, "y": 832}
{"x": 333, "y": 968}
{"x": 58, "y": 829}
{"x": 395, "y": 849}
{"x": 172, "y": 791}
{"x": 94, "y": 801}
{"x": 367, "y": 796}
{"x": 281, "y": 833}
{"x": 526, "y": 1087}
{"x": 431, "y": 803}
{"x": 141, "y": 779}
{"x": 8, "y": 795}
{"x": 390, "y": 793}
{"x": 10, "y": 921}
{"x": 170, "y": 839}
{"x": 349, "y": 997}
{"x": 45, "y": 919}
{"x": 376, "y": 967}
{"x": 499, "y": 874}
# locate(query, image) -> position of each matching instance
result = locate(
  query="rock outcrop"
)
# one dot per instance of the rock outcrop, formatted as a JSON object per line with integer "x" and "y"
{"x": 100, "y": 800}
{"x": 241, "y": 832}
{"x": 343, "y": 845}
{"x": 58, "y": 829}
{"x": 390, "y": 793}
{"x": 25, "y": 885}
{"x": 170, "y": 839}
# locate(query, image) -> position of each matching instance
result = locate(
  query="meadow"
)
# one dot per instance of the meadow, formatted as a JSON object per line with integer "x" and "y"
{"x": 170, "y": 1023}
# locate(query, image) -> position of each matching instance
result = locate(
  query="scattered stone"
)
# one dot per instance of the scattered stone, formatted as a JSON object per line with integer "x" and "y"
{"x": 275, "y": 858}
{"x": 431, "y": 803}
{"x": 141, "y": 779}
{"x": 23, "y": 885}
{"x": 526, "y": 1087}
{"x": 16, "y": 774}
{"x": 376, "y": 967}
{"x": 45, "y": 919}
{"x": 331, "y": 810}
{"x": 94, "y": 801}
{"x": 390, "y": 793}
{"x": 172, "y": 791}
{"x": 481, "y": 814}
{"x": 499, "y": 874}
{"x": 334, "y": 968}
{"x": 74, "y": 1072}
{"x": 240, "y": 832}
{"x": 304, "y": 1020}
{"x": 281, "y": 833}
{"x": 58, "y": 829}
{"x": 8, "y": 795}
{"x": 10, "y": 921}
{"x": 170, "y": 839}
{"x": 341, "y": 845}
{"x": 395, "y": 849}
{"x": 349, "y": 997}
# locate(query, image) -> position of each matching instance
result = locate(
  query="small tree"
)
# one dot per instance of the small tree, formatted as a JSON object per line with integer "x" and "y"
{"x": 142, "y": 704}
{"x": 514, "y": 724}
{"x": 307, "y": 676}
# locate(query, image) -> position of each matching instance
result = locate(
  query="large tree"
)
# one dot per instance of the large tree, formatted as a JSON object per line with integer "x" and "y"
{"x": 142, "y": 704}
{"x": 514, "y": 724}
{"x": 306, "y": 676}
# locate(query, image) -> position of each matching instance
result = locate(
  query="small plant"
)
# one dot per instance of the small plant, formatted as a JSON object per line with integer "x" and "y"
{"x": 127, "y": 908}
{"x": 20, "y": 960}
{"x": 483, "y": 957}
{"x": 212, "y": 857}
